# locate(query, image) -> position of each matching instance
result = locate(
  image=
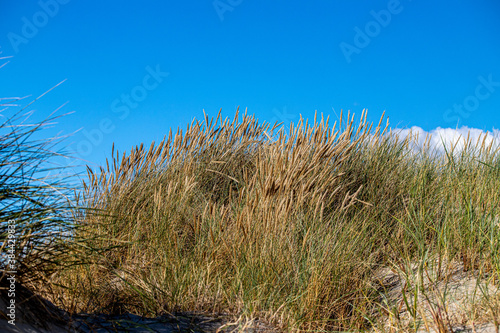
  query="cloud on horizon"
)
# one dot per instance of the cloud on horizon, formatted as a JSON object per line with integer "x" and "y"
{"x": 441, "y": 137}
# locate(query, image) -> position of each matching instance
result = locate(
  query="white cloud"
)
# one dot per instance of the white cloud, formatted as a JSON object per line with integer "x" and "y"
{"x": 441, "y": 137}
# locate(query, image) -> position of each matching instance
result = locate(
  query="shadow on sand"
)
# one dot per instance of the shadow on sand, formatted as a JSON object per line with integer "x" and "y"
{"x": 33, "y": 313}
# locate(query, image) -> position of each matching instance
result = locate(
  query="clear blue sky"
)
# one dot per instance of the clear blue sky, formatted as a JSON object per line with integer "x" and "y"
{"x": 426, "y": 63}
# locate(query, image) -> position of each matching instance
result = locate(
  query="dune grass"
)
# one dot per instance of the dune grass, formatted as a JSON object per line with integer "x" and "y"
{"x": 33, "y": 197}
{"x": 237, "y": 218}
{"x": 38, "y": 216}
{"x": 295, "y": 230}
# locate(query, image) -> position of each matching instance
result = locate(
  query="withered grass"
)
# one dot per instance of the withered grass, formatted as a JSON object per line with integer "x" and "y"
{"x": 236, "y": 217}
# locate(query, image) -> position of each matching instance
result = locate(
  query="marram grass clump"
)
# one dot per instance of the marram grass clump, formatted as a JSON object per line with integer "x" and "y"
{"x": 236, "y": 217}
{"x": 38, "y": 238}
{"x": 34, "y": 203}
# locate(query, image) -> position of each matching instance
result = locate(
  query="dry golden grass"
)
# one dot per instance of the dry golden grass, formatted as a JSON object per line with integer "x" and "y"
{"x": 236, "y": 217}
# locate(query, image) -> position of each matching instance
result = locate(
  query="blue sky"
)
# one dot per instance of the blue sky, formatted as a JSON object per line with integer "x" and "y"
{"x": 134, "y": 70}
